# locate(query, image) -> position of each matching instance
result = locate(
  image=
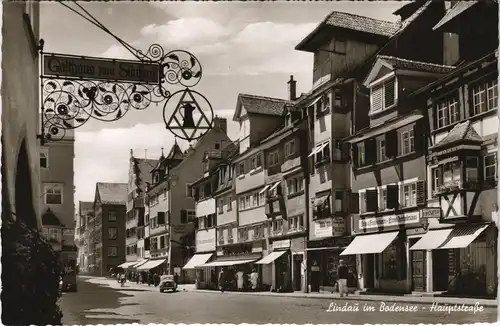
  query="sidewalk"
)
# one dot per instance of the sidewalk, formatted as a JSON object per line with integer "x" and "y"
{"x": 490, "y": 303}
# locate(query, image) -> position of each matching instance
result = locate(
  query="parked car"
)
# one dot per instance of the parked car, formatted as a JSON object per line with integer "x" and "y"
{"x": 167, "y": 283}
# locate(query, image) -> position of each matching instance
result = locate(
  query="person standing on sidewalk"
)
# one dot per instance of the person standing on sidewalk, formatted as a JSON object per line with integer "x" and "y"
{"x": 343, "y": 275}
{"x": 222, "y": 280}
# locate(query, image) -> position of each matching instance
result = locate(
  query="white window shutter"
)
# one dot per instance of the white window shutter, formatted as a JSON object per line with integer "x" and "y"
{"x": 377, "y": 98}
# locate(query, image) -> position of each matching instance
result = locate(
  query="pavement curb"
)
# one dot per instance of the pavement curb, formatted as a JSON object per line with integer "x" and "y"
{"x": 362, "y": 298}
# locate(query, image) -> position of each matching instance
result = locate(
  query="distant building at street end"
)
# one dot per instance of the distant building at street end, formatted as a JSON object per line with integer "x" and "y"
{"x": 108, "y": 234}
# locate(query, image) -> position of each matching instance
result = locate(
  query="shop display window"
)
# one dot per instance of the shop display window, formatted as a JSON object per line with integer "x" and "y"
{"x": 393, "y": 260}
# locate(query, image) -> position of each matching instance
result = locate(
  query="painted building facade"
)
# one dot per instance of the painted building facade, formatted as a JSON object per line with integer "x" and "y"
{"x": 109, "y": 227}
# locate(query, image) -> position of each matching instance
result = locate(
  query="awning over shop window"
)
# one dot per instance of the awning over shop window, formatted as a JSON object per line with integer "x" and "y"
{"x": 271, "y": 257}
{"x": 264, "y": 189}
{"x": 137, "y": 264}
{"x": 151, "y": 264}
{"x": 460, "y": 236}
{"x": 197, "y": 260}
{"x": 320, "y": 200}
{"x": 318, "y": 148}
{"x": 370, "y": 244}
{"x": 127, "y": 264}
{"x": 220, "y": 263}
{"x": 274, "y": 186}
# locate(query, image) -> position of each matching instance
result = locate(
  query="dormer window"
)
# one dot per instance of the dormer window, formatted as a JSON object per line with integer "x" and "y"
{"x": 383, "y": 96}
{"x": 288, "y": 121}
{"x": 156, "y": 178}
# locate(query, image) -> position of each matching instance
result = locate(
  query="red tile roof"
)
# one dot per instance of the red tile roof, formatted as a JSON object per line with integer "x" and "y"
{"x": 461, "y": 132}
{"x": 456, "y": 10}
{"x": 112, "y": 193}
{"x": 264, "y": 105}
{"x": 361, "y": 23}
{"x": 400, "y": 63}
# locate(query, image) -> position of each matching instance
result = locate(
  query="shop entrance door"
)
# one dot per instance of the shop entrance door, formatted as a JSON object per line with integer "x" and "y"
{"x": 418, "y": 268}
{"x": 440, "y": 269}
{"x": 297, "y": 275}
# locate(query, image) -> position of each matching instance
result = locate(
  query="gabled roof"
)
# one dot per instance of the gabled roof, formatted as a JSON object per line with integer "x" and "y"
{"x": 50, "y": 219}
{"x": 394, "y": 63}
{"x": 85, "y": 206}
{"x": 455, "y": 11}
{"x": 461, "y": 132}
{"x": 351, "y": 22}
{"x": 112, "y": 193}
{"x": 175, "y": 153}
{"x": 260, "y": 105}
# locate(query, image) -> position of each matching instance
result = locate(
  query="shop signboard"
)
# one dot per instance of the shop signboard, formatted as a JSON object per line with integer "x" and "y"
{"x": 323, "y": 228}
{"x": 431, "y": 212}
{"x": 62, "y": 65}
{"x": 389, "y": 220}
{"x": 338, "y": 226}
{"x": 281, "y": 244}
{"x": 205, "y": 240}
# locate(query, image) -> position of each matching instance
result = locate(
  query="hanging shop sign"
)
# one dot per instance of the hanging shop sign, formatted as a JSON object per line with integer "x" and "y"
{"x": 431, "y": 212}
{"x": 205, "y": 240}
{"x": 59, "y": 65}
{"x": 389, "y": 220}
{"x": 75, "y": 89}
{"x": 323, "y": 228}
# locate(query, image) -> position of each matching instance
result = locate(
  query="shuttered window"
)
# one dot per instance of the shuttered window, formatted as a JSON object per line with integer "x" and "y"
{"x": 383, "y": 96}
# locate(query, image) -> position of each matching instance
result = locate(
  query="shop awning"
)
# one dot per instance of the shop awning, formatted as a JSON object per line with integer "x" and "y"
{"x": 432, "y": 239}
{"x": 137, "y": 264}
{"x": 460, "y": 236}
{"x": 127, "y": 264}
{"x": 264, "y": 189}
{"x": 151, "y": 264}
{"x": 271, "y": 257}
{"x": 274, "y": 186}
{"x": 197, "y": 260}
{"x": 318, "y": 148}
{"x": 320, "y": 200}
{"x": 370, "y": 244}
{"x": 219, "y": 263}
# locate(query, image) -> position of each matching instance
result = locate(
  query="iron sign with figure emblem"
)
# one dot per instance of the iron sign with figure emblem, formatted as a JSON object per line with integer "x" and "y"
{"x": 75, "y": 89}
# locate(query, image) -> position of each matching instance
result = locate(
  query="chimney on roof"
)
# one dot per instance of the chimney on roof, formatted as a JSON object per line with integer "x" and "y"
{"x": 292, "y": 89}
{"x": 220, "y": 123}
{"x": 131, "y": 153}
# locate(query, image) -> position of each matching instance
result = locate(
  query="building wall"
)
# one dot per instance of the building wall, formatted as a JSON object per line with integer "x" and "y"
{"x": 328, "y": 65}
{"x": 230, "y": 211}
{"x": 119, "y": 242}
{"x": 60, "y": 170}
{"x": 205, "y": 207}
{"x": 131, "y": 222}
{"x": 20, "y": 101}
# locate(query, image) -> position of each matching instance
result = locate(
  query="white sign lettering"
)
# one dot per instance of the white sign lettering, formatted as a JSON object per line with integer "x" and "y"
{"x": 431, "y": 212}
{"x": 323, "y": 228}
{"x": 205, "y": 240}
{"x": 389, "y": 220}
{"x": 281, "y": 244}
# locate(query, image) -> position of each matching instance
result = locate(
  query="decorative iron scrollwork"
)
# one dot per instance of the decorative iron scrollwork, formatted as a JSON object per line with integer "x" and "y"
{"x": 68, "y": 103}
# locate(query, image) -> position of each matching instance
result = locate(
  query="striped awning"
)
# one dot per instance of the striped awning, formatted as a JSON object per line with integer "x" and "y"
{"x": 460, "y": 236}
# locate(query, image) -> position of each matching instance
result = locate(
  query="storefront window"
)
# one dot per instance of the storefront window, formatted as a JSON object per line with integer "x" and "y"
{"x": 393, "y": 263}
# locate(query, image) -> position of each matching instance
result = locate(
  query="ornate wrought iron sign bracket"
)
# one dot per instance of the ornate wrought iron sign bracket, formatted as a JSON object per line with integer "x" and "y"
{"x": 75, "y": 89}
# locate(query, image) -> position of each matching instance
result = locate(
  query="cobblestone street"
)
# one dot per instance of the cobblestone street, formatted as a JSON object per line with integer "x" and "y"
{"x": 103, "y": 301}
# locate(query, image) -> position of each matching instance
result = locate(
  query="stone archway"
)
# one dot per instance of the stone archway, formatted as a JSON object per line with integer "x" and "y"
{"x": 24, "y": 189}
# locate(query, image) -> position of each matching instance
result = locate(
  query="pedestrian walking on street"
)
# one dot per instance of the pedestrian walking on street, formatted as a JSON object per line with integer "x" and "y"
{"x": 254, "y": 278}
{"x": 240, "y": 280}
{"x": 222, "y": 280}
{"x": 343, "y": 274}
{"x": 176, "y": 278}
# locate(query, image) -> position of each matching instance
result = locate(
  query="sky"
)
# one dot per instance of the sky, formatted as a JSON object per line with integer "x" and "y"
{"x": 243, "y": 47}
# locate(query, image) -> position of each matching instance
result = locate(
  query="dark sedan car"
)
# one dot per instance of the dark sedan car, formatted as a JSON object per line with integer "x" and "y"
{"x": 167, "y": 283}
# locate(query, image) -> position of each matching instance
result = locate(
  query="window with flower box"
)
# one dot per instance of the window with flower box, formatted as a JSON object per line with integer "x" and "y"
{"x": 448, "y": 111}
{"x": 447, "y": 176}
{"x": 243, "y": 234}
{"x": 296, "y": 223}
{"x": 258, "y": 232}
{"x": 484, "y": 97}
